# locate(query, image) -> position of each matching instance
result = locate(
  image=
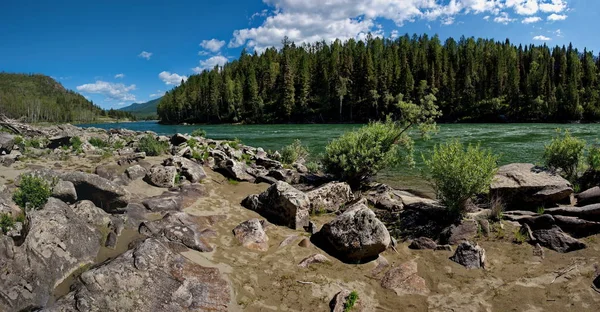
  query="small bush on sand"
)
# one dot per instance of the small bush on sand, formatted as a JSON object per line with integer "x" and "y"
{"x": 291, "y": 153}
{"x": 459, "y": 173}
{"x": 33, "y": 192}
{"x": 151, "y": 146}
{"x": 350, "y": 301}
{"x": 98, "y": 142}
{"x": 565, "y": 153}
{"x": 76, "y": 144}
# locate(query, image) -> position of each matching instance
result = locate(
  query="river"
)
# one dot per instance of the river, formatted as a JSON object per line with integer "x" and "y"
{"x": 513, "y": 142}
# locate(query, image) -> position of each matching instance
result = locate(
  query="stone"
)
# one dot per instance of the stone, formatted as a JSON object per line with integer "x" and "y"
{"x": 286, "y": 175}
{"x": 102, "y": 192}
{"x": 404, "y": 280}
{"x": 469, "y": 255}
{"x": 422, "y": 243}
{"x": 304, "y": 243}
{"x": 464, "y": 231}
{"x": 7, "y": 143}
{"x": 338, "y": 303}
{"x": 588, "y": 197}
{"x": 268, "y": 163}
{"x": 300, "y": 167}
{"x": 288, "y": 240}
{"x": 281, "y": 204}
{"x": 235, "y": 170}
{"x": 316, "y": 258}
{"x": 330, "y": 197}
{"x": 179, "y": 138}
{"x": 167, "y": 201}
{"x": 109, "y": 171}
{"x": 88, "y": 212}
{"x": 312, "y": 228}
{"x": 252, "y": 235}
{"x": 554, "y": 238}
{"x": 355, "y": 235}
{"x": 161, "y": 176}
{"x": 65, "y": 191}
{"x": 380, "y": 264}
{"x": 111, "y": 240}
{"x": 484, "y": 225}
{"x": 59, "y": 141}
{"x": 131, "y": 158}
{"x": 16, "y": 231}
{"x": 576, "y": 226}
{"x": 265, "y": 179}
{"x": 589, "y": 212}
{"x": 181, "y": 228}
{"x": 135, "y": 172}
{"x": 189, "y": 169}
{"x": 596, "y": 282}
{"x": 149, "y": 277}
{"x": 8, "y": 160}
{"x": 538, "y": 251}
{"x": 444, "y": 248}
{"x": 525, "y": 185}
{"x": 57, "y": 244}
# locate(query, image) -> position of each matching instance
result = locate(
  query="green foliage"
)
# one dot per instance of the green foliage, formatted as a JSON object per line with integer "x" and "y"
{"x": 350, "y": 301}
{"x": 76, "y": 144}
{"x": 293, "y": 152}
{"x": 33, "y": 142}
{"x": 118, "y": 144}
{"x": 459, "y": 173}
{"x": 312, "y": 167}
{"x": 19, "y": 141}
{"x": 246, "y": 158}
{"x": 178, "y": 178}
{"x": 593, "y": 158}
{"x": 151, "y": 146}
{"x": 541, "y": 210}
{"x": 98, "y": 142}
{"x": 33, "y": 192}
{"x": 233, "y": 181}
{"x": 6, "y": 222}
{"x": 192, "y": 143}
{"x": 564, "y": 152}
{"x": 199, "y": 133}
{"x": 520, "y": 236}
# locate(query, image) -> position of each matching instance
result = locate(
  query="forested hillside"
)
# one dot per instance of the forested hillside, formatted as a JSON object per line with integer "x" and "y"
{"x": 356, "y": 81}
{"x": 145, "y": 110}
{"x": 39, "y": 98}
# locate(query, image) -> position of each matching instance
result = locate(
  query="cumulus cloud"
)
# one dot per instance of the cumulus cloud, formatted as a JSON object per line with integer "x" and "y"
{"x": 171, "y": 79}
{"x": 145, "y": 55}
{"x": 530, "y": 20}
{"x": 158, "y": 93}
{"x": 210, "y": 63}
{"x": 212, "y": 45}
{"x": 119, "y": 76}
{"x": 541, "y": 38}
{"x": 557, "y": 17}
{"x": 307, "y": 21}
{"x": 113, "y": 91}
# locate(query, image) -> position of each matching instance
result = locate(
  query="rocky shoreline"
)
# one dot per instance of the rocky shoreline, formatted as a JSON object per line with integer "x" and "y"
{"x": 207, "y": 213}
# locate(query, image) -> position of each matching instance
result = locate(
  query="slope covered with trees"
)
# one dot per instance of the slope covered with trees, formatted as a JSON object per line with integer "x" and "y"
{"x": 355, "y": 81}
{"x": 145, "y": 110}
{"x": 39, "y": 98}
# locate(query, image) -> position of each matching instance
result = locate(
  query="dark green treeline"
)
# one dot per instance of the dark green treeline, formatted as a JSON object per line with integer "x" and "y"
{"x": 357, "y": 81}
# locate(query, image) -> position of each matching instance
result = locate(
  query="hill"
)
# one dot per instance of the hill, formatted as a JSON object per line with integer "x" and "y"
{"x": 143, "y": 110}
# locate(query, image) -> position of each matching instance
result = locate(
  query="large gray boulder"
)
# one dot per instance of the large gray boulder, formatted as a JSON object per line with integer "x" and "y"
{"x": 525, "y": 185}
{"x": 403, "y": 280}
{"x": 65, "y": 191}
{"x": 135, "y": 172}
{"x": 149, "y": 277}
{"x": 189, "y": 169}
{"x": 590, "y": 212}
{"x": 88, "y": 212}
{"x": 102, "y": 192}
{"x": 252, "y": 235}
{"x": 180, "y": 228}
{"x": 589, "y": 197}
{"x": 7, "y": 142}
{"x": 162, "y": 176}
{"x": 469, "y": 255}
{"x": 355, "y": 235}
{"x": 330, "y": 197}
{"x": 235, "y": 170}
{"x": 58, "y": 243}
{"x": 281, "y": 204}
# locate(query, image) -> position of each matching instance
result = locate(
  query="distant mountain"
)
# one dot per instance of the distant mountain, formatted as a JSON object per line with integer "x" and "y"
{"x": 143, "y": 110}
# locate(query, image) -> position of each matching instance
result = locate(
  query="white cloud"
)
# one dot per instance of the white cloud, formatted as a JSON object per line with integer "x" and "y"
{"x": 210, "y": 63}
{"x": 555, "y": 6}
{"x": 119, "y": 76}
{"x": 113, "y": 91}
{"x": 541, "y": 38}
{"x": 145, "y": 55}
{"x": 558, "y": 33}
{"x": 171, "y": 79}
{"x": 394, "y": 34}
{"x": 557, "y": 17}
{"x": 212, "y": 45}
{"x": 503, "y": 18}
{"x": 487, "y": 17}
{"x": 158, "y": 93}
{"x": 530, "y": 20}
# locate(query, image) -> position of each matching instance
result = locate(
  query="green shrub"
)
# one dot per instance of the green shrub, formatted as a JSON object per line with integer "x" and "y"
{"x": 459, "y": 173}
{"x": 593, "y": 158}
{"x": 33, "y": 192}
{"x": 199, "y": 133}
{"x": 233, "y": 181}
{"x": 520, "y": 237}
{"x": 312, "y": 167}
{"x": 178, "y": 178}
{"x": 19, "y": 141}
{"x": 76, "y": 144}
{"x": 151, "y": 146}
{"x": 350, "y": 301}
{"x": 246, "y": 158}
{"x": 565, "y": 153}
{"x": 33, "y": 142}
{"x": 6, "y": 222}
{"x": 98, "y": 142}
{"x": 192, "y": 143}
{"x": 541, "y": 210}
{"x": 291, "y": 153}
{"x": 118, "y": 144}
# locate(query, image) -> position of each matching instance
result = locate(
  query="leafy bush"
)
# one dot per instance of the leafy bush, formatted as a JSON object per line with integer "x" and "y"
{"x": 192, "y": 143}
{"x": 6, "y": 222}
{"x": 97, "y": 142}
{"x": 459, "y": 173}
{"x": 76, "y": 144}
{"x": 151, "y": 146}
{"x": 520, "y": 236}
{"x": 565, "y": 153}
{"x": 593, "y": 158}
{"x": 118, "y": 144}
{"x": 199, "y": 133}
{"x": 33, "y": 192}
{"x": 312, "y": 167}
{"x": 33, "y": 142}
{"x": 291, "y": 153}
{"x": 350, "y": 301}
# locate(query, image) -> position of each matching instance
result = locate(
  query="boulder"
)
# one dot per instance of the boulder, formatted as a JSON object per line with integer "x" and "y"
{"x": 189, "y": 169}
{"x": 7, "y": 142}
{"x": 355, "y": 235}
{"x": 590, "y": 212}
{"x": 281, "y": 204}
{"x": 131, "y": 158}
{"x": 330, "y": 197}
{"x": 422, "y": 243}
{"x": 525, "y": 185}
{"x": 589, "y": 197}
{"x": 9, "y": 159}
{"x": 167, "y": 201}
{"x": 109, "y": 171}
{"x": 469, "y": 255}
{"x": 338, "y": 303}
{"x": 576, "y": 226}
{"x": 252, "y": 235}
{"x": 235, "y": 170}
{"x": 179, "y": 138}
{"x": 149, "y": 277}
{"x": 162, "y": 176}
{"x": 135, "y": 172}
{"x": 403, "y": 280}
{"x": 88, "y": 212}
{"x": 102, "y": 192}
{"x": 268, "y": 163}
{"x": 58, "y": 244}
{"x": 65, "y": 191}
{"x": 180, "y": 228}
{"x": 554, "y": 238}
{"x": 286, "y": 175}
{"x": 464, "y": 231}
{"x": 316, "y": 258}
{"x": 59, "y": 141}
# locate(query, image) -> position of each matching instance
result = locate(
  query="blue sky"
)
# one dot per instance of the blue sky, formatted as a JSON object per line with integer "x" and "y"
{"x": 120, "y": 52}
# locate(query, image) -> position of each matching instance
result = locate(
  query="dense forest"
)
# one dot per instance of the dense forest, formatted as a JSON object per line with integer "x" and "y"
{"x": 356, "y": 81}
{"x": 39, "y": 98}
